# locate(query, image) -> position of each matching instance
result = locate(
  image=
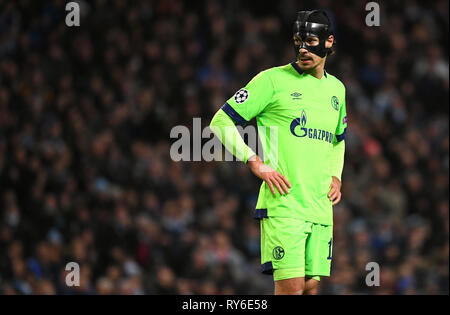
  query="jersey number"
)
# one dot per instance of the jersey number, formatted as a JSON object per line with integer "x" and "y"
{"x": 329, "y": 248}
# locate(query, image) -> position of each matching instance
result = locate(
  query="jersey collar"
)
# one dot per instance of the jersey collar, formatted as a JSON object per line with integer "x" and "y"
{"x": 297, "y": 68}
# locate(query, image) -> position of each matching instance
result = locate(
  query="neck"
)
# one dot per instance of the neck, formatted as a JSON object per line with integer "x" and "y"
{"x": 317, "y": 71}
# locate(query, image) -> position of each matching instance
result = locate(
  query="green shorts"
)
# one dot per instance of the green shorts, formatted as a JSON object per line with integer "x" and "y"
{"x": 292, "y": 248}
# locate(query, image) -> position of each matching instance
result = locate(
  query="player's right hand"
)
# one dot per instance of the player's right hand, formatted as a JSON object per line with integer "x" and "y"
{"x": 269, "y": 175}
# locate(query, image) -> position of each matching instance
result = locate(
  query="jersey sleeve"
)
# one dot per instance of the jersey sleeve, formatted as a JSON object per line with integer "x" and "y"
{"x": 224, "y": 128}
{"x": 341, "y": 127}
{"x": 251, "y": 100}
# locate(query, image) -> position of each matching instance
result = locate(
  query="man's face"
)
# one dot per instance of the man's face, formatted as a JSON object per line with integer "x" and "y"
{"x": 307, "y": 60}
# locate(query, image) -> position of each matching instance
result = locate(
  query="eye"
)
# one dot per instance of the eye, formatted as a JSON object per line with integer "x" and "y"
{"x": 312, "y": 41}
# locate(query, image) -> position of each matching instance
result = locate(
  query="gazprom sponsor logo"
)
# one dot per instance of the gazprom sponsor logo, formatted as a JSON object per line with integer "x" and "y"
{"x": 303, "y": 119}
{"x": 312, "y": 133}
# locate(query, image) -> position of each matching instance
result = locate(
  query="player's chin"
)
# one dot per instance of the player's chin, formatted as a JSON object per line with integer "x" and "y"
{"x": 305, "y": 66}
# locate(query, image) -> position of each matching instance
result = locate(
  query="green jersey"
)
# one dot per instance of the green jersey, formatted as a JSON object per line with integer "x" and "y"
{"x": 299, "y": 119}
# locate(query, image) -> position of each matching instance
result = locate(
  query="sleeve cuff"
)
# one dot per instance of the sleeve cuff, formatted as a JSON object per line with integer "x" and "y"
{"x": 341, "y": 137}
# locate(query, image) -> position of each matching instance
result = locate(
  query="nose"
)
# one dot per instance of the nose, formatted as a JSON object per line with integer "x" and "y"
{"x": 302, "y": 46}
{"x": 302, "y": 51}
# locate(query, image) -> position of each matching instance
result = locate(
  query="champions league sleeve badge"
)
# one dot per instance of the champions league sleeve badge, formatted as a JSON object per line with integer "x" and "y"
{"x": 241, "y": 96}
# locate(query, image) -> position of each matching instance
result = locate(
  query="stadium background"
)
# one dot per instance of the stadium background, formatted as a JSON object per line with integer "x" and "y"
{"x": 85, "y": 172}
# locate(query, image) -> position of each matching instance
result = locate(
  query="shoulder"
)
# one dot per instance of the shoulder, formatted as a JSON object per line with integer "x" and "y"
{"x": 276, "y": 74}
{"x": 268, "y": 77}
{"x": 279, "y": 70}
{"x": 336, "y": 82}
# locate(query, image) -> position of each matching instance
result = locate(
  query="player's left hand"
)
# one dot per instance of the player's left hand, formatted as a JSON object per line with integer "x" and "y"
{"x": 335, "y": 192}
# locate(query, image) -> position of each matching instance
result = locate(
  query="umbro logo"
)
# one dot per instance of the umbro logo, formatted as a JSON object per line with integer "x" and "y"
{"x": 296, "y": 96}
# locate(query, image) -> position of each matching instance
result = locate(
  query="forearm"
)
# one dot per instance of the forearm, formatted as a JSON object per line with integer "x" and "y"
{"x": 224, "y": 128}
{"x": 337, "y": 159}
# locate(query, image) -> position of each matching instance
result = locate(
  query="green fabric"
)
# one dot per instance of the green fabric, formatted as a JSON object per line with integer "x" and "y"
{"x": 224, "y": 128}
{"x": 299, "y": 119}
{"x": 296, "y": 248}
{"x": 337, "y": 159}
{"x": 289, "y": 273}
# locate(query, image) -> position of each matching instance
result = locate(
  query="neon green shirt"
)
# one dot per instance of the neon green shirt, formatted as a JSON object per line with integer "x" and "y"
{"x": 299, "y": 119}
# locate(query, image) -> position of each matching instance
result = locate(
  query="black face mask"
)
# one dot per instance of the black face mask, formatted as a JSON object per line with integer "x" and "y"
{"x": 303, "y": 28}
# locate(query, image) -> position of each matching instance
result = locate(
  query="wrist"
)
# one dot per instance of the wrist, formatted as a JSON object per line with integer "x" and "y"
{"x": 253, "y": 161}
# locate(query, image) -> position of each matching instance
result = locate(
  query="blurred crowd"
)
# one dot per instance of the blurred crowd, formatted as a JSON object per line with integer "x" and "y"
{"x": 85, "y": 171}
